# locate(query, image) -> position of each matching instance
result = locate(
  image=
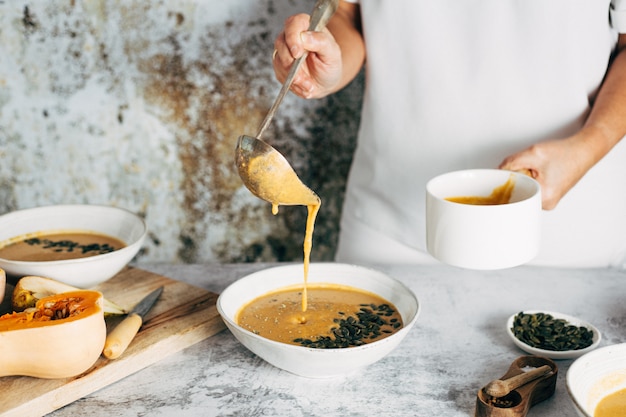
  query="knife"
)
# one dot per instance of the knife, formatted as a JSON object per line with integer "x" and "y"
{"x": 118, "y": 340}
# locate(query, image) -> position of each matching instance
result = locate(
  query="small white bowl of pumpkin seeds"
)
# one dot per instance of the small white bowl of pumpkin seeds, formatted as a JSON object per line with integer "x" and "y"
{"x": 552, "y": 335}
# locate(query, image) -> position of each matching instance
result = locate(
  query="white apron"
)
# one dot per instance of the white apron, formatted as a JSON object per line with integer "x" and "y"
{"x": 455, "y": 84}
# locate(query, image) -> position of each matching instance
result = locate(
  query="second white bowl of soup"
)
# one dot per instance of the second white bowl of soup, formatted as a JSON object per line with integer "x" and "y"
{"x": 355, "y": 332}
{"x": 80, "y": 245}
{"x": 596, "y": 382}
{"x": 483, "y": 218}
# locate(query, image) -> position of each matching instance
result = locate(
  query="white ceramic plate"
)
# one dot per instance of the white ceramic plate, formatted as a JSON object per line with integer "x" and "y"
{"x": 564, "y": 354}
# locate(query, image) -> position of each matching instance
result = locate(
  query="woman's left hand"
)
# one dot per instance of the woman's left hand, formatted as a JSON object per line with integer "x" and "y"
{"x": 556, "y": 164}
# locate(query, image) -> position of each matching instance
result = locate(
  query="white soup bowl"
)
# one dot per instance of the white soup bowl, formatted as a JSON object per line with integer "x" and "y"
{"x": 306, "y": 361}
{"x": 82, "y": 272}
{"x": 595, "y": 375}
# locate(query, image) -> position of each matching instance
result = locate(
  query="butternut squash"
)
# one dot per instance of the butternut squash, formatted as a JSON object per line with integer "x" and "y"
{"x": 29, "y": 289}
{"x": 61, "y": 337}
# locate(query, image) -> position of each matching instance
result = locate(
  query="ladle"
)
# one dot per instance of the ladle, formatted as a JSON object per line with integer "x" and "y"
{"x": 263, "y": 170}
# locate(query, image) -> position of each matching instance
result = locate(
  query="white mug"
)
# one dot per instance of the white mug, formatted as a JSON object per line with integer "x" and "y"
{"x": 483, "y": 236}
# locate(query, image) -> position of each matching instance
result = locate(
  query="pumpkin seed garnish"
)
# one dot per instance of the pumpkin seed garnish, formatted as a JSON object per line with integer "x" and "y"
{"x": 367, "y": 325}
{"x": 543, "y": 331}
{"x": 70, "y": 246}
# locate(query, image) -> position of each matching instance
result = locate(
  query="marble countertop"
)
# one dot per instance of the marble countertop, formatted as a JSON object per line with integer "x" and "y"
{"x": 457, "y": 346}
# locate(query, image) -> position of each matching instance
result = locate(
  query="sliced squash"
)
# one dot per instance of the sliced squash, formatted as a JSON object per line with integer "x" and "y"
{"x": 61, "y": 337}
{"x": 29, "y": 289}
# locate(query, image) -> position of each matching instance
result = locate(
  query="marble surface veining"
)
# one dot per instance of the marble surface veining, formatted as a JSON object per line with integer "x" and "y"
{"x": 457, "y": 346}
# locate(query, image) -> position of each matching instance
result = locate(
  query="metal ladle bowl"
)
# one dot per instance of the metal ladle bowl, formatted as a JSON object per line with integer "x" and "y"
{"x": 268, "y": 175}
{"x": 264, "y": 170}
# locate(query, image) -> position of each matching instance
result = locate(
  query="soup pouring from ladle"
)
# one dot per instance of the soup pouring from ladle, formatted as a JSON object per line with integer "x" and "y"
{"x": 263, "y": 170}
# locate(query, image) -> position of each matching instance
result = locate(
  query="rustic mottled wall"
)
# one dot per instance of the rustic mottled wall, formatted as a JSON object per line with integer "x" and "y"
{"x": 138, "y": 104}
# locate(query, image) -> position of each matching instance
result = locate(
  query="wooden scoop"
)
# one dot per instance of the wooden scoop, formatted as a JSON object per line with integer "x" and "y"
{"x": 521, "y": 389}
{"x": 500, "y": 388}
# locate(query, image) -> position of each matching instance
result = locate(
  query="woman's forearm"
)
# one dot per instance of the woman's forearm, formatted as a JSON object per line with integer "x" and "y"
{"x": 345, "y": 26}
{"x": 606, "y": 124}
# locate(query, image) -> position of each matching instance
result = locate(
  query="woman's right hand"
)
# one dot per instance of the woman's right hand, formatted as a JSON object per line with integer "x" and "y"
{"x": 321, "y": 73}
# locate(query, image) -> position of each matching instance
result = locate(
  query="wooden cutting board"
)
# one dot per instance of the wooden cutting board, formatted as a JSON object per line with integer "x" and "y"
{"x": 182, "y": 316}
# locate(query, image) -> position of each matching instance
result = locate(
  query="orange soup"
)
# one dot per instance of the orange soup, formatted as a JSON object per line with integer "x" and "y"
{"x": 337, "y": 317}
{"x": 289, "y": 191}
{"x": 499, "y": 195}
{"x": 613, "y": 405}
{"x": 42, "y": 246}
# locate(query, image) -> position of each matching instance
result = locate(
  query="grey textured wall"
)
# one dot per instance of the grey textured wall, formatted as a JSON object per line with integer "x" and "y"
{"x": 138, "y": 104}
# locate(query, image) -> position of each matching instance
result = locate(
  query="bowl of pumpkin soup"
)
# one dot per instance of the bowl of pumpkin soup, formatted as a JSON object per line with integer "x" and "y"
{"x": 596, "y": 382}
{"x": 344, "y": 318}
{"x": 80, "y": 245}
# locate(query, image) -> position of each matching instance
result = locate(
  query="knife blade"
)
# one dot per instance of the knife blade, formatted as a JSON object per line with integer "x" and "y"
{"x": 118, "y": 340}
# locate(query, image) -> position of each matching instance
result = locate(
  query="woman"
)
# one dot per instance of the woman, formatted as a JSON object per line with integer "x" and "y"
{"x": 520, "y": 85}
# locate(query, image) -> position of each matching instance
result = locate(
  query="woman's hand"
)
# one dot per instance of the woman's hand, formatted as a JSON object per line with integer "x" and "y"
{"x": 556, "y": 164}
{"x": 322, "y": 69}
{"x": 335, "y": 54}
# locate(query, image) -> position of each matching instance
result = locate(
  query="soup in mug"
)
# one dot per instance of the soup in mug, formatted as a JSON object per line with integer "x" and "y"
{"x": 499, "y": 195}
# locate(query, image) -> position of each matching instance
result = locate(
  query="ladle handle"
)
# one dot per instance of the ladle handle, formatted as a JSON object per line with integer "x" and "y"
{"x": 321, "y": 14}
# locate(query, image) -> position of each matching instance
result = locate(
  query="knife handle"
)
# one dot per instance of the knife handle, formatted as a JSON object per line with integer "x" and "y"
{"x": 118, "y": 340}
